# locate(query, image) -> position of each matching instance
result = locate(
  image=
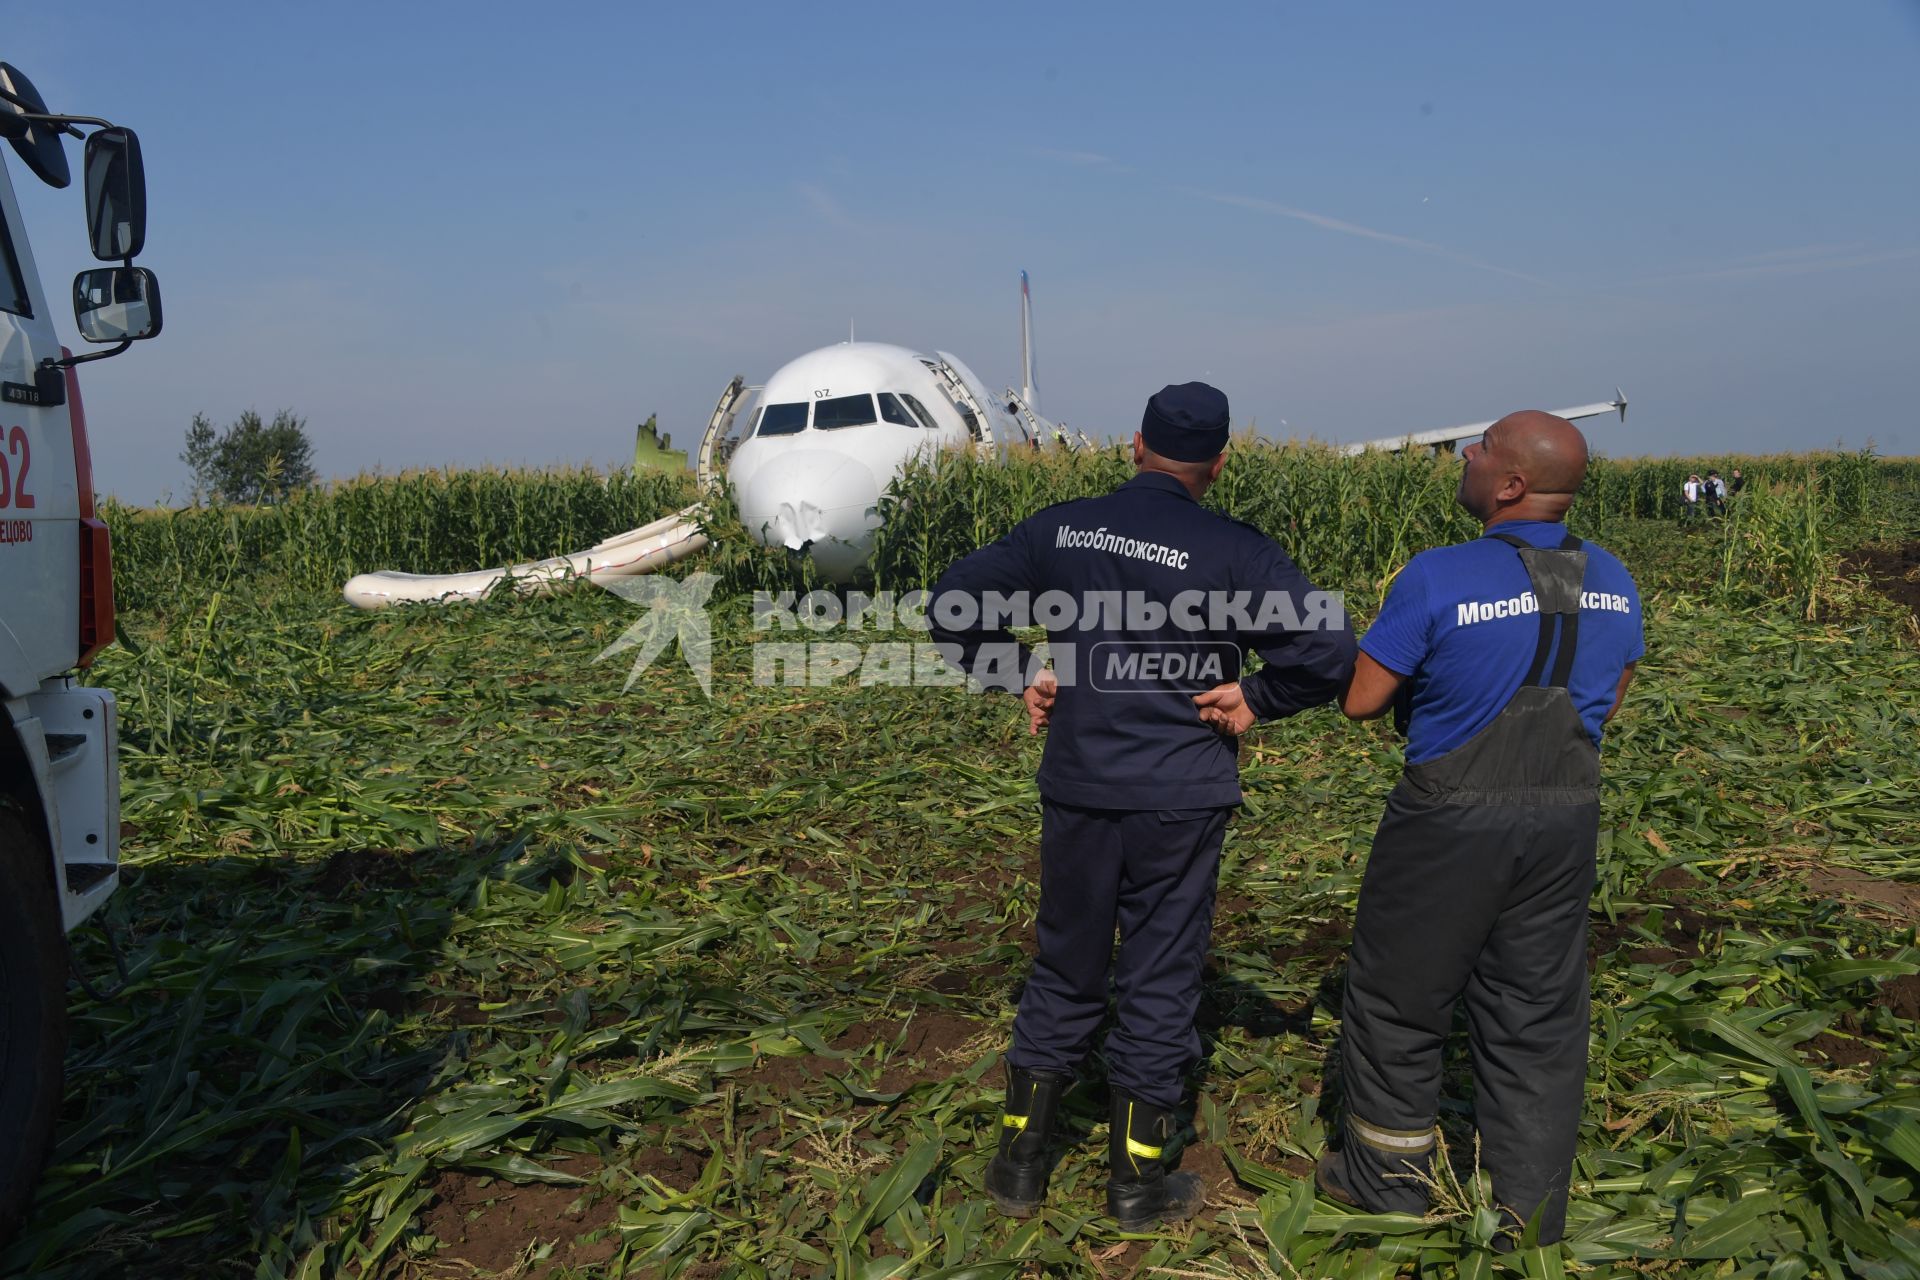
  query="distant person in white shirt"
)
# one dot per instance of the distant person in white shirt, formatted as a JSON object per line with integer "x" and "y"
{"x": 1691, "y": 491}
{"x": 1716, "y": 494}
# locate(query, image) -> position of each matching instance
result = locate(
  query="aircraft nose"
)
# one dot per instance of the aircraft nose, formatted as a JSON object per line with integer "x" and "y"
{"x": 815, "y": 500}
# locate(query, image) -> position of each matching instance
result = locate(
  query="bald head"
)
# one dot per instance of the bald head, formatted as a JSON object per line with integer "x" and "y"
{"x": 1550, "y": 452}
{"x": 1527, "y": 466}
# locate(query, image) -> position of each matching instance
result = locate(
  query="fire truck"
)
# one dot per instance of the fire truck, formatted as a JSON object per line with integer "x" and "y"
{"x": 59, "y": 767}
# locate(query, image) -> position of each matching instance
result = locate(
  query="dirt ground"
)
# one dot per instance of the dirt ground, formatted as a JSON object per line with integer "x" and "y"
{"x": 928, "y": 1039}
{"x": 1899, "y": 898}
{"x": 491, "y": 1224}
{"x": 1894, "y": 571}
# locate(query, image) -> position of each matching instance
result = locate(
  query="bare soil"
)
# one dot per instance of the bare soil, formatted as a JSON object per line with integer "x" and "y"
{"x": 1893, "y": 570}
{"x": 1673, "y": 880}
{"x": 460, "y": 1008}
{"x": 1687, "y": 924}
{"x": 678, "y": 1167}
{"x": 1842, "y": 1046}
{"x": 1205, "y": 1159}
{"x": 965, "y": 977}
{"x": 786, "y": 1075}
{"x": 1901, "y": 997}
{"x": 929, "y": 1038}
{"x": 1902, "y": 900}
{"x": 1682, "y": 934}
{"x": 489, "y": 1223}
{"x": 990, "y": 883}
{"x": 1119, "y": 1261}
{"x": 1229, "y": 907}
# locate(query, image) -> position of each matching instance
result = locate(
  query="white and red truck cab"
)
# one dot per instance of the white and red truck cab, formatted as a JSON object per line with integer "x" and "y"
{"x": 59, "y": 770}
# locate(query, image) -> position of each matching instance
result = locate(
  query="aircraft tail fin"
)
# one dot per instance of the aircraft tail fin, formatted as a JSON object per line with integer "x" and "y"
{"x": 1026, "y": 345}
{"x": 1023, "y": 405}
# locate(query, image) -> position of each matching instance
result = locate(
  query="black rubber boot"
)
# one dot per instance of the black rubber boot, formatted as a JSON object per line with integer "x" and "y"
{"x": 1017, "y": 1174}
{"x": 1141, "y": 1191}
{"x": 1330, "y": 1179}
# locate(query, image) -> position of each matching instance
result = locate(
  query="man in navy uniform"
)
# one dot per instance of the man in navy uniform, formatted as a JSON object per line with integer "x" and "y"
{"x": 1509, "y": 654}
{"x": 1148, "y": 599}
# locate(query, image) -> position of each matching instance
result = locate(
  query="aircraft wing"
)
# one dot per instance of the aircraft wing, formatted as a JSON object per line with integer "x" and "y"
{"x": 1448, "y": 436}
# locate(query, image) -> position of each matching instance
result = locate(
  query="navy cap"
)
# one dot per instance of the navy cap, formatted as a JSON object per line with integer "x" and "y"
{"x": 1187, "y": 423}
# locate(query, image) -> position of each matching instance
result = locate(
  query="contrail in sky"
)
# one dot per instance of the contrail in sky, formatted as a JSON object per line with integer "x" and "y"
{"x": 1322, "y": 221}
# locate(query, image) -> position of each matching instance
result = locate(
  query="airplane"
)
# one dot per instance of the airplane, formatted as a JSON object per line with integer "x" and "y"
{"x": 809, "y": 453}
{"x": 831, "y": 429}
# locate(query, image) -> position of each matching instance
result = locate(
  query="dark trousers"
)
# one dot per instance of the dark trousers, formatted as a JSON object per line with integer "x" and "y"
{"x": 1486, "y": 902}
{"x": 1150, "y": 874}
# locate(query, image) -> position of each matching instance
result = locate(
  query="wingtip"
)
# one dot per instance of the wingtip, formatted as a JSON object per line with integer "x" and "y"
{"x": 1620, "y": 402}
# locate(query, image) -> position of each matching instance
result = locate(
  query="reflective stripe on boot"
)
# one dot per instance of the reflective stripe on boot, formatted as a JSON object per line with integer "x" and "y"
{"x": 1387, "y": 1170}
{"x": 1141, "y": 1191}
{"x": 1017, "y": 1175}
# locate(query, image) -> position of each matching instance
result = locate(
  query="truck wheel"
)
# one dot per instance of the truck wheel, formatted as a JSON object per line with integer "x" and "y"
{"x": 33, "y": 1013}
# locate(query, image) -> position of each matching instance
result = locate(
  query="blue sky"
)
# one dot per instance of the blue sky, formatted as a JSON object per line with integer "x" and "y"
{"x": 469, "y": 234}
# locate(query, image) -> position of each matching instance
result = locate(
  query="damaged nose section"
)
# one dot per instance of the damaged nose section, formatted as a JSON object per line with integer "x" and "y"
{"x": 813, "y": 503}
{"x": 796, "y": 525}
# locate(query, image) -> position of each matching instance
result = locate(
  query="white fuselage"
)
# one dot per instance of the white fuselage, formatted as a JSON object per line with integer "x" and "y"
{"x": 829, "y": 432}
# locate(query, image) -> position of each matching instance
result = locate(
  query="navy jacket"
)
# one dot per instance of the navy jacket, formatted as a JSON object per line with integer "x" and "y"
{"x": 1131, "y": 647}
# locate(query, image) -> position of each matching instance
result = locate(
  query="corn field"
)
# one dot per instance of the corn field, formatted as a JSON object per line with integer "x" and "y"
{"x": 449, "y": 955}
{"x": 423, "y": 522}
{"x": 1356, "y": 520}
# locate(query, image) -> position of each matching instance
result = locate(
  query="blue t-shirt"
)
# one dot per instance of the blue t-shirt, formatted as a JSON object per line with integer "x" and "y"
{"x": 1461, "y": 623}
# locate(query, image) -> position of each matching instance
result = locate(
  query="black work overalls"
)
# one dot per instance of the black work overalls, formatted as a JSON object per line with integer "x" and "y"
{"x": 1478, "y": 886}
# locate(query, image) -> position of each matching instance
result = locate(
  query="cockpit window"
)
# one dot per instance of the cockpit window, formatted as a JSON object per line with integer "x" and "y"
{"x": 843, "y": 411}
{"x": 891, "y": 410}
{"x": 782, "y": 420}
{"x": 919, "y": 411}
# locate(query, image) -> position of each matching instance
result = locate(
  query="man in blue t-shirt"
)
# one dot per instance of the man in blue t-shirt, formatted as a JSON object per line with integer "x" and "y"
{"x": 1506, "y": 656}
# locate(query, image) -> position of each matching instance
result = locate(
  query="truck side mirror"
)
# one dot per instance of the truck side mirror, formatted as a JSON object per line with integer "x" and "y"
{"x": 116, "y": 194}
{"x": 37, "y": 141}
{"x": 116, "y": 304}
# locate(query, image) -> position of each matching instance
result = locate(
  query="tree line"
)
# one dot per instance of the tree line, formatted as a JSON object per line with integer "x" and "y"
{"x": 250, "y": 460}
